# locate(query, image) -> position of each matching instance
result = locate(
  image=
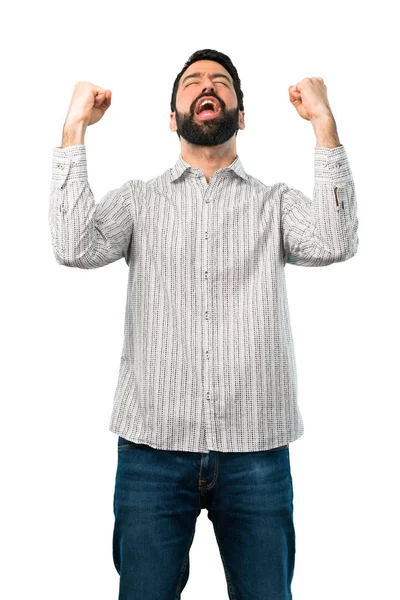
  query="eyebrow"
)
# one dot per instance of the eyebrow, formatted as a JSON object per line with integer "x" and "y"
{"x": 213, "y": 76}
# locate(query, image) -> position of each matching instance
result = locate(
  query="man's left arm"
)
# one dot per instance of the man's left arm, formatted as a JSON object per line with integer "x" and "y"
{"x": 323, "y": 230}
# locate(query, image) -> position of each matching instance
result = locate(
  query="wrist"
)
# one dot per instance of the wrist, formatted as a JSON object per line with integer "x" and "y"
{"x": 73, "y": 133}
{"x": 325, "y": 131}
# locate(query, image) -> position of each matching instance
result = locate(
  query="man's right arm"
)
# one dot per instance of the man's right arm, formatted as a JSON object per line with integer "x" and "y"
{"x": 85, "y": 234}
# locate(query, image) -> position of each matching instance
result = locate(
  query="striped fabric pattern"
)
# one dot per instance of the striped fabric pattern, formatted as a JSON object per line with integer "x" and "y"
{"x": 208, "y": 360}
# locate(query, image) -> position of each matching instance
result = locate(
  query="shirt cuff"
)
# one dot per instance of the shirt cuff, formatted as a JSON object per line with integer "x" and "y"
{"x": 331, "y": 165}
{"x": 69, "y": 162}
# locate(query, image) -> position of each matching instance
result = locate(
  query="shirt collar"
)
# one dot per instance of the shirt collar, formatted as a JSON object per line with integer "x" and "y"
{"x": 181, "y": 166}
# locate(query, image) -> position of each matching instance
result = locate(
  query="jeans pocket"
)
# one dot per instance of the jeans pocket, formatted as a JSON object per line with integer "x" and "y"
{"x": 124, "y": 444}
{"x": 278, "y": 448}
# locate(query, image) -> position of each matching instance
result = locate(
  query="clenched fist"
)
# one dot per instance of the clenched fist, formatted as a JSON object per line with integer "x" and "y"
{"x": 309, "y": 97}
{"x": 88, "y": 104}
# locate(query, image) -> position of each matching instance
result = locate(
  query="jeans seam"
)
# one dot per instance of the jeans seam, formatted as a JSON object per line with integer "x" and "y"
{"x": 227, "y": 574}
{"x": 185, "y": 560}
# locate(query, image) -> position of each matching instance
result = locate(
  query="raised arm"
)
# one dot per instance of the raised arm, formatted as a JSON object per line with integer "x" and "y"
{"x": 323, "y": 230}
{"x": 85, "y": 234}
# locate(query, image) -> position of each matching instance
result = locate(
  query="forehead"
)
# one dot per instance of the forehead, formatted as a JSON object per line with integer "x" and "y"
{"x": 208, "y": 67}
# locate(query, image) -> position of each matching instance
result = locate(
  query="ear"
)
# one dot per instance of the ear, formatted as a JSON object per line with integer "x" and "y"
{"x": 241, "y": 119}
{"x": 172, "y": 124}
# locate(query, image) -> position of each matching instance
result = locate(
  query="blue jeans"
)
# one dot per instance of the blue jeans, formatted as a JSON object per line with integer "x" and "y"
{"x": 159, "y": 495}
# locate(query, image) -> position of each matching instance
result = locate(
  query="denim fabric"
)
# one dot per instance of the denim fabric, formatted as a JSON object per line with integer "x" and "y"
{"x": 158, "y": 497}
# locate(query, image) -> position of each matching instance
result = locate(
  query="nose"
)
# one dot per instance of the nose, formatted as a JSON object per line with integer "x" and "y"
{"x": 208, "y": 86}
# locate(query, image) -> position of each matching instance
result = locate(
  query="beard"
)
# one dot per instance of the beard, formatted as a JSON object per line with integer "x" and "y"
{"x": 210, "y": 132}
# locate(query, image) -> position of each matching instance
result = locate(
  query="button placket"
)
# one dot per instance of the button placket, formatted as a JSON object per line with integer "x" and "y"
{"x": 61, "y": 171}
{"x": 206, "y": 303}
{"x": 334, "y": 166}
{"x": 207, "y": 191}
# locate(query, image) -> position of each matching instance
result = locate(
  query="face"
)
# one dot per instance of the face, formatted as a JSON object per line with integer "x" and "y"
{"x": 207, "y": 125}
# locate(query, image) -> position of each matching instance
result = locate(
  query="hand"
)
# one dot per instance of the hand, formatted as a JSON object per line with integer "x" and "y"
{"x": 88, "y": 104}
{"x": 309, "y": 97}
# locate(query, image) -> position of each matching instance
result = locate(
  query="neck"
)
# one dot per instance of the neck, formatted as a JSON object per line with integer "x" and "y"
{"x": 209, "y": 158}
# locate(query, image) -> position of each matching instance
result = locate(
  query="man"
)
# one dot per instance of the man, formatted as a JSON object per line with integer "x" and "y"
{"x": 206, "y": 401}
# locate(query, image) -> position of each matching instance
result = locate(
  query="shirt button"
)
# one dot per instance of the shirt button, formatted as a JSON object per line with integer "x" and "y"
{"x": 208, "y": 395}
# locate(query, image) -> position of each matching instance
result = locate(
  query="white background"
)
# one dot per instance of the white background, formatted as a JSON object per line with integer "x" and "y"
{"x": 62, "y": 328}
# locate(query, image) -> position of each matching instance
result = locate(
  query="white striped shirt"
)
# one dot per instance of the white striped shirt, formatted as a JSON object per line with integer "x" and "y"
{"x": 208, "y": 359}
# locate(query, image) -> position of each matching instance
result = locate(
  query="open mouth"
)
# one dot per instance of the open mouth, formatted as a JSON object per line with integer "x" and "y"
{"x": 207, "y": 108}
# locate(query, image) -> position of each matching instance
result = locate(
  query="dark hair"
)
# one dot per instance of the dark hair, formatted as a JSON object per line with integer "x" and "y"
{"x": 218, "y": 57}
